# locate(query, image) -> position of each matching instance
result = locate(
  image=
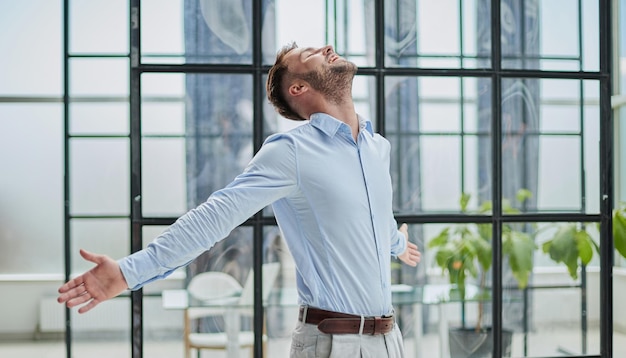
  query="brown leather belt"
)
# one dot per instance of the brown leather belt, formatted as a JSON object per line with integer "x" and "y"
{"x": 330, "y": 322}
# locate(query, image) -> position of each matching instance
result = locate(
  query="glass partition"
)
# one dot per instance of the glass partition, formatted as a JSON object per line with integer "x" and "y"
{"x": 116, "y": 117}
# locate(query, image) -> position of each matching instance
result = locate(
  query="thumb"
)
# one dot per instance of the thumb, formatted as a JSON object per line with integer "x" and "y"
{"x": 91, "y": 257}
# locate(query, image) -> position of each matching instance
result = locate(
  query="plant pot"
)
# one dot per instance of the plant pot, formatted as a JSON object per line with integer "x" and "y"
{"x": 467, "y": 343}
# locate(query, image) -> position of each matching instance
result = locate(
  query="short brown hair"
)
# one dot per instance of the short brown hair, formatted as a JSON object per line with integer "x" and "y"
{"x": 275, "y": 80}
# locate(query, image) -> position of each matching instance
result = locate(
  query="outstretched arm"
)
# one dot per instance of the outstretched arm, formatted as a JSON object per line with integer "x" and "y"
{"x": 103, "y": 281}
{"x": 411, "y": 256}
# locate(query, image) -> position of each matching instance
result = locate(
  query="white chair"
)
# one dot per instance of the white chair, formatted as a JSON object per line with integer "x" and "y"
{"x": 217, "y": 291}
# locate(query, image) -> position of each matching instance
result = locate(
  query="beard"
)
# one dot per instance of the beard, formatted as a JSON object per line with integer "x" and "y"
{"x": 334, "y": 82}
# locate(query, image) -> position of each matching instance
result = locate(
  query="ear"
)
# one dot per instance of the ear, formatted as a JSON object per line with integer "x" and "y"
{"x": 298, "y": 88}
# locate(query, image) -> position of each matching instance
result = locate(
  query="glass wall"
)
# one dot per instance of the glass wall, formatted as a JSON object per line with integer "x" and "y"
{"x": 128, "y": 113}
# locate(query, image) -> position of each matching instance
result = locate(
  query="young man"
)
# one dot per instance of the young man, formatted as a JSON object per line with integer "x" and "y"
{"x": 329, "y": 184}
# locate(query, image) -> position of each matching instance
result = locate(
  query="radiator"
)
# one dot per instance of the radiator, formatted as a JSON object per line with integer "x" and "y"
{"x": 112, "y": 315}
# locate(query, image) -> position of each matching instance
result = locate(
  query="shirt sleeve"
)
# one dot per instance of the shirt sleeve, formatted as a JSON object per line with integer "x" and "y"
{"x": 398, "y": 246}
{"x": 270, "y": 176}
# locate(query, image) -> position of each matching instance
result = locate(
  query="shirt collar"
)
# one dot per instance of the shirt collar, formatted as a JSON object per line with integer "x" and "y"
{"x": 331, "y": 125}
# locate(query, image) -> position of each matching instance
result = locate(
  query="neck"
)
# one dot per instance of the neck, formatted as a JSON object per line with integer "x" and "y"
{"x": 346, "y": 114}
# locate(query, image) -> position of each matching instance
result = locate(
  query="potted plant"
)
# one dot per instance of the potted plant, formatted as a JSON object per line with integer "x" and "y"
{"x": 465, "y": 250}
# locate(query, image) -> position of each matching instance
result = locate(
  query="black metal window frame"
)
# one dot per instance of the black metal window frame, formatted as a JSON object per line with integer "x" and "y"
{"x": 257, "y": 69}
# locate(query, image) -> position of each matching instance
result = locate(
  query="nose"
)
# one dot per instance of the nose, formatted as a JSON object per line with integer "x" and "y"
{"x": 327, "y": 49}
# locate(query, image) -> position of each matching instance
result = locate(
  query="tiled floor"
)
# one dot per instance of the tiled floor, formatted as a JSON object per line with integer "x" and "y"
{"x": 560, "y": 342}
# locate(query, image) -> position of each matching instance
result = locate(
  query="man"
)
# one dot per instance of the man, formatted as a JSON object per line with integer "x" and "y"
{"x": 329, "y": 184}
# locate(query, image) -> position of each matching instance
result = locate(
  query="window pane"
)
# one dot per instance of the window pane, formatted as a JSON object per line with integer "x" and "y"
{"x": 561, "y": 35}
{"x": 26, "y": 68}
{"x": 346, "y": 25}
{"x": 218, "y": 131}
{"x": 363, "y": 95}
{"x": 162, "y": 43}
{"x": 198, "y": 31}
{"x": 162, "y": 117}
{"x": 550, "y": 144}
{"x": 282, "y": 305}
{"x": 31, "y": 188}
{"x": 429, "y": 15}
{"x": 99, "y": 77}
{"x": 558, "y": 298}
{"x": 163, "y": 176}
{"x": 416, "y": 36}
{"x": 105, "y": 329}
{"x": 439, "y": 134}
{"x": 99, "y": 176}
{"x": 445, "y": 307}
{"x": 101, "y": 236}
{"x": 99, "y": 118}
{"x": 99, "y": 26}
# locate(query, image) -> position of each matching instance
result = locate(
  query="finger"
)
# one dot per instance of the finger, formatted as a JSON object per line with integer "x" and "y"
{"x": 75, "y": 282}
{"x": 93, "y": 303}
{"x": 71, "y": 294}
{"x": 96, "y": 259}
{"x": 411, "y": 263}
{"x": 85, "y": 297}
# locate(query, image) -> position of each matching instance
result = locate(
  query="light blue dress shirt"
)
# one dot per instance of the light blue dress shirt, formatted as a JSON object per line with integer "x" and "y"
{"x": 332, "y": 198}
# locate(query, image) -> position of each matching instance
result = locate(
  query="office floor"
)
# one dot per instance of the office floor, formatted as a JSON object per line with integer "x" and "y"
{"x": 560, "y": 342}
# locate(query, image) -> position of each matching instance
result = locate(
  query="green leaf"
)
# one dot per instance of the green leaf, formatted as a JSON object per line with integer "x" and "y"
{"x": 562, "y": 248}
{"x": 519, "y": 248}
{"x": 485, "y": 207}
{"x": 465, "y": 198}
{"x": 440, "y": 239}
{"x": 523, "y": 195}
{"x": 443, "y": 256}
{"x": 468, "y": 264}
{"x": 507, "y": 208}
{"x": 584, "y": 246}
{"x": 485, "y": 232}
{"x": 619, "y": 232}
{"x": 483, "y": 252}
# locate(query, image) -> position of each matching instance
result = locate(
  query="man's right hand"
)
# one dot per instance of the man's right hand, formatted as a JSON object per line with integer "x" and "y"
{"x": 103, "y": 281}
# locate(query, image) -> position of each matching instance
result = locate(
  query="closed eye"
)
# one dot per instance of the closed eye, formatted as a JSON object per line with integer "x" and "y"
{"x": 307, "y": 52}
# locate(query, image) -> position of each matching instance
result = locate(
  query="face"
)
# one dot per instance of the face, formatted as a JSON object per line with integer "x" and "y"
{"x": 323, "y": 69}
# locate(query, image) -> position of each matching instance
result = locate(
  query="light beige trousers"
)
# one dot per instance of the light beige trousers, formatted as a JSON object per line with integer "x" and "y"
{"x": 308, "y": 342}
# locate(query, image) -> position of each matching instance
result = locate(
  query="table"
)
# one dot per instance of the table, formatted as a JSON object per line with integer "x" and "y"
{"x": 416, "y": 296}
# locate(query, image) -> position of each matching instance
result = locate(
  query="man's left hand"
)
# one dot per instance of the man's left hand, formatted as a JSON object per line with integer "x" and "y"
{"x": 411, "y": 256}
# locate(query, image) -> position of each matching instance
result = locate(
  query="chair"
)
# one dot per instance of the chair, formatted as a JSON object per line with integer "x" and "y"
{"x": 218, "y": 288}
